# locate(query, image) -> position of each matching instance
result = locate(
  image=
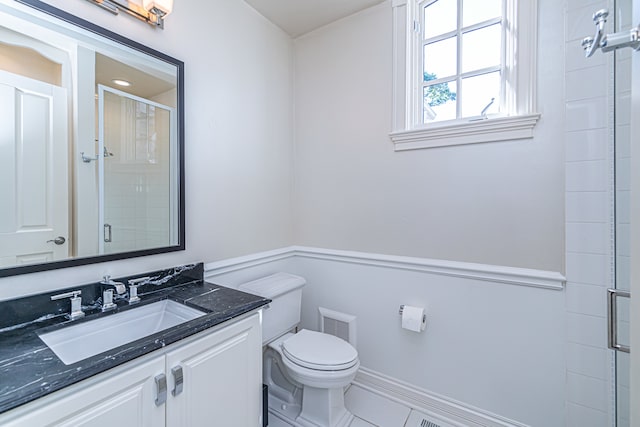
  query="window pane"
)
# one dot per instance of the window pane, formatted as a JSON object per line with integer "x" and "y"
{"x": 477, "y": 93}
{"x": 440, "y": 17}
{"x": 481, "y": 48}
{"x": 474, "y": 11}
{"x": 440, "y": 59}
{"x": 439, "y": 102}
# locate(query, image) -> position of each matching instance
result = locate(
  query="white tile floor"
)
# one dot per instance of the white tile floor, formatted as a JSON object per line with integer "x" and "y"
{"x": 372, "y": 410}
{"x": 375, "y": 410}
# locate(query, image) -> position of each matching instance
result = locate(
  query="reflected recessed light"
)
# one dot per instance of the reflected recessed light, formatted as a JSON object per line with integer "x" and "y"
{"x": 120, "y": 82}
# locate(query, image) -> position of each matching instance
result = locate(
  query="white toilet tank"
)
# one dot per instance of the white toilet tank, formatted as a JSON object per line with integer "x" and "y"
{"x": 283, "y": 314}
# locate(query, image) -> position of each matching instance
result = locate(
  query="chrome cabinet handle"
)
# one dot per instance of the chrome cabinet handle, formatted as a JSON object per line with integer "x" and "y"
{"x": 161, "y": 387}
{"x": 58, "y": 240}
{"x": 612, "y": 311}
{"x": 178, "y": 378}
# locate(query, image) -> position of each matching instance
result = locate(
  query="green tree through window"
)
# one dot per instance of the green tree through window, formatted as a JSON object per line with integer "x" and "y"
{"x": 437, "y": 94}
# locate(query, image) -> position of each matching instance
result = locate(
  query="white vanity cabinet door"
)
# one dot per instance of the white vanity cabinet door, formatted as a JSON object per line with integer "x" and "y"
{"x": 222, "y": 375}
{"x": 124, "y": 399}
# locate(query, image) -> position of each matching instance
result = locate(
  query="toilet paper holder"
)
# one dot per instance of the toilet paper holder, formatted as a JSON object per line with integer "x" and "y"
{"x": 424, "y": 316}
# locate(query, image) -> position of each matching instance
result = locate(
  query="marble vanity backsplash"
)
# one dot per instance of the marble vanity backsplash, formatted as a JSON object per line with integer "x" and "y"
{"x": 40, "y": 308}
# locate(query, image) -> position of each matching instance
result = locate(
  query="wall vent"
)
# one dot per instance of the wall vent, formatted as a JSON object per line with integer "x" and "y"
{"x": 426, "y": 423}
{"x": 338, "y": 324}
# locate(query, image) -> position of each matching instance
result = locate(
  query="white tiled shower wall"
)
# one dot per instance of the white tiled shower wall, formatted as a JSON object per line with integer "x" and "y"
{"x": 588, "y": 221}
{"x": 136, "y": 195}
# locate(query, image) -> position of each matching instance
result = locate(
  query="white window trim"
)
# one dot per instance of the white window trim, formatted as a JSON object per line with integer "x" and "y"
{"x": 408, "y": 135}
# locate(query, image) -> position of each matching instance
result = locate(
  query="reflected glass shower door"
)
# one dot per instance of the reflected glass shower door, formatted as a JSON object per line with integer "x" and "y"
{"x": 136, "y": 174}
{"x": 622, "y": 116}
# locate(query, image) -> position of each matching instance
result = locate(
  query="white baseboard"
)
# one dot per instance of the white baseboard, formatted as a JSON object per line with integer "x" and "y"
{"x": 485, "y": 272}
{"x": 431, "y": 404}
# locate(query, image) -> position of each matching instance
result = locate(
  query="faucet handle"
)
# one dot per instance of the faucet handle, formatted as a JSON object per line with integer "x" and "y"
{"x": 107, "y": 300}
{"x": 76, "y": 303}
{"x": 71, "y": 294}
{"x": 133, "y": 288}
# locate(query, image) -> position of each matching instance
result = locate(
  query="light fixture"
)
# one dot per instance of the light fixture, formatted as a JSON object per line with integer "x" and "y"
{"x": 152, "y": 12}
{"x": 121, "y": 82}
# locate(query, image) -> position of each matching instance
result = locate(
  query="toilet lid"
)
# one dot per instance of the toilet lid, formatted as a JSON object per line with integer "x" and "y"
{"x": 315, "y": 350}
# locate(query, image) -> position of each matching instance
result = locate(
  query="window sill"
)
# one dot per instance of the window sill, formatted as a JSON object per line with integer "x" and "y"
{"x": 490, "y": 130}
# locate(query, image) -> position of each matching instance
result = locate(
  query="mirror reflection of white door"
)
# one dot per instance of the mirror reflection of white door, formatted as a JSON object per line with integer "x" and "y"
{"x": 137, "y": 172}
{"x": 34, "y": 202}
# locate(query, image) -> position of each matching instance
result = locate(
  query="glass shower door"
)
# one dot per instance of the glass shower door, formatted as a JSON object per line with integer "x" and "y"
{"x": 622, "y": 132}
{"x": 136, "y": 173}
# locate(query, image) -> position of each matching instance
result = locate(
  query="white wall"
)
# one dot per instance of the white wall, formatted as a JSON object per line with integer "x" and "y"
{"x": 238, "y": 83}
{"x": 498, "y": 203}
{"x": 494, "y": 346}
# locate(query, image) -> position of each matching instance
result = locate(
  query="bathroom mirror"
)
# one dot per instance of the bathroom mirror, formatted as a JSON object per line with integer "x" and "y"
{"x": 91, "y": 143}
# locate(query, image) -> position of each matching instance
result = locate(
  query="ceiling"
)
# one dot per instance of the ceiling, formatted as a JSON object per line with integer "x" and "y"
{"x": 297, "y": 17}
{"x": 143, "y": 84}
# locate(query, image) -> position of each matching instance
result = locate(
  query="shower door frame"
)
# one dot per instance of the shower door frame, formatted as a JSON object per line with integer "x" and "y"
{"x": 173, "y": 164}
{"x": 635, "y": 232}
{"x": 633, "y": 413}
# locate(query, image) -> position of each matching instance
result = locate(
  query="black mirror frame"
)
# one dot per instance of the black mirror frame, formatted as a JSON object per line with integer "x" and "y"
{"x": 73, "y": 262}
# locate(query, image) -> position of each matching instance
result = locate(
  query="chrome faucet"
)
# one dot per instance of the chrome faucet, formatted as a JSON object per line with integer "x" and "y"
{"x": 133, "y": 288}
{"x": 107, "y": 292}
{"x": 76, "y": 303}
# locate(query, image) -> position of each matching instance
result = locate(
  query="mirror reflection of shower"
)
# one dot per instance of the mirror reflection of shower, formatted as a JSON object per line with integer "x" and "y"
{"x": 135, "y": 172}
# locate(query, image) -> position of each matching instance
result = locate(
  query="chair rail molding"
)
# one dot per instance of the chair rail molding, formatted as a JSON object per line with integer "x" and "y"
{"x": 484, "y": 272}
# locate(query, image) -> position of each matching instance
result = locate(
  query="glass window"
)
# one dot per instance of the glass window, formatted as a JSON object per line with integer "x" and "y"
{"x": 481, "y": 92}
{"x": 482, "y": 48}
{"x": 462, "y": 58}
{"x": 440, "y": 59}
{"x": 476, "y": 11}
{"x": 459, "y": 62}
{"x": 439, "y": 102}
{"x": 440, "y": 17}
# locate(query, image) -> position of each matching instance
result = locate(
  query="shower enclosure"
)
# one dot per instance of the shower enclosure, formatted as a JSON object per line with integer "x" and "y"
{"x": 618, "y": 34}
{"x": 619, "y": 302}
{"x": 136, "y": 173}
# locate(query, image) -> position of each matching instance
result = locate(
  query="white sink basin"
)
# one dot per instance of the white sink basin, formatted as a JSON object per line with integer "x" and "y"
{"x": 74, "y": 343}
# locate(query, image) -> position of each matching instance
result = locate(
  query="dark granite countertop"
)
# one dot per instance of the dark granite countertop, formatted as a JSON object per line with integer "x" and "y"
{"x": 29, "y": 369}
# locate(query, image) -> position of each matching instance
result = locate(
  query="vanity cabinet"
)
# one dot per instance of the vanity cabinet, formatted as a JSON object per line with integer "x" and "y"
{"x": 222, "y": 379}
{"x": 105, "y": 400}
{"x": 213, "y": 378}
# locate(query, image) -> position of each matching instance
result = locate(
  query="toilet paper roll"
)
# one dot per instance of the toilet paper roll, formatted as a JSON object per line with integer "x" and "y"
{"x": 413, "y": 318}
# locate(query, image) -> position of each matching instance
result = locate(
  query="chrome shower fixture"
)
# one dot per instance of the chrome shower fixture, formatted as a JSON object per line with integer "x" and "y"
{"x": 591, "y": 44}
{"x": 608, "y": 42}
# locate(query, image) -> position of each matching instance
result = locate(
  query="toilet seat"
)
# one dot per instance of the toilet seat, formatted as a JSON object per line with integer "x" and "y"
{"x": 319, "y": 351}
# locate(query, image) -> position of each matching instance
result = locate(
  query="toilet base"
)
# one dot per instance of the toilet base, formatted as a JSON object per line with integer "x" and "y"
{"x": 302, "y": 397}
{"x": 323, "y": 407}
{"x": 292, "y": 414}
{"x": 283, "y": 410}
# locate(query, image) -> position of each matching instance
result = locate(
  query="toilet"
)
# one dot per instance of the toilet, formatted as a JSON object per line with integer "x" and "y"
{"x": 306, "y": 372}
